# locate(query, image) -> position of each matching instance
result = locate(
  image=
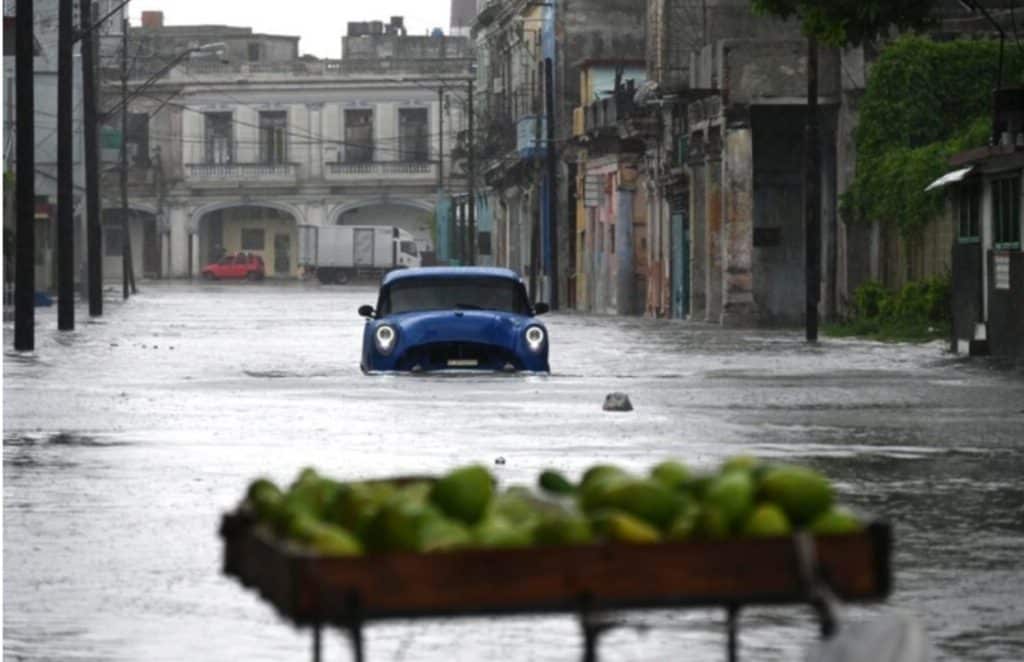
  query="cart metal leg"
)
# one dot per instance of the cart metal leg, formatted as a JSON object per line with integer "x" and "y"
{"x": 593, "y": 627}
{"x": 733, "y": 628}
{"x": 317, "y": 642}
{"x": 355, "y": 627}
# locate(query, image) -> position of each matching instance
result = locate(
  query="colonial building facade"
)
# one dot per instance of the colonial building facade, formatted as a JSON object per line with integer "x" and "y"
{"x": 236, "y": 152}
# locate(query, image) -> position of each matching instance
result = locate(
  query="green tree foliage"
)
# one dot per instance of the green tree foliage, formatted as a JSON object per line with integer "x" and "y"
{"x": 845, "y": 22}
{"x": 925, "y": 101}
{"x": 918, "y": 312}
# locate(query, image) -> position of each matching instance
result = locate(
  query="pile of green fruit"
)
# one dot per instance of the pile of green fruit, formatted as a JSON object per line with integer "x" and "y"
{"x": 464, "y": 509}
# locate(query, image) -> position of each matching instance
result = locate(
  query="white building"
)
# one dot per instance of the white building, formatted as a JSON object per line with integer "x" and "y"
{"x": 245, "y": 148}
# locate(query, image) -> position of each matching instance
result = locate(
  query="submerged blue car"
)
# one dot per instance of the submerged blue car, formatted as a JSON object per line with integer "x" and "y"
{"x": 454, "y": 318}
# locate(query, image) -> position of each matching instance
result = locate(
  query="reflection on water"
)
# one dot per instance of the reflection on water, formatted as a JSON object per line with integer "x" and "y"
{"x": 120, "y": 454}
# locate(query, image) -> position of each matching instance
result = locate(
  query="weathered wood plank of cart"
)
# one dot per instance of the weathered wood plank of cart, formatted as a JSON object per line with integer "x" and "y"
{"x": 314, "y": 590}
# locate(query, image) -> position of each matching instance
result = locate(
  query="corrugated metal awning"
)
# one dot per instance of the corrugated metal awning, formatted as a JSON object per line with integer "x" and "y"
{"x": 950, "y": 178}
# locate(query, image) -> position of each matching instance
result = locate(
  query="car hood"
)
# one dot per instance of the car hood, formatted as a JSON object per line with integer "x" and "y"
{"x": 488, "y": 326}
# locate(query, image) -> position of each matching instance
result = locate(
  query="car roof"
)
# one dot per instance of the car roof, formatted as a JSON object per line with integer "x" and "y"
{"x": 449, "y": 272}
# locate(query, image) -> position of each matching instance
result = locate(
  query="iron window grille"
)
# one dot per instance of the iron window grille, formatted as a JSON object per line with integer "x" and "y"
{"x": 1006, "y": 212}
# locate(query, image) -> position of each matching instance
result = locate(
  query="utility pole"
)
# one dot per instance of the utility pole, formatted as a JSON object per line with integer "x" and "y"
{"x": 127, "y": 275}
{"x": 440, "y": 139}
{"x": 65, "y": 173}
{"x": 92, "y": 183}
{"x": 472, "y": 181}
{"x": 551, "y": 187}
{"x": 25, "y": 184}
{"x": 535, "y": 221}
{"x": 812, "y": 199}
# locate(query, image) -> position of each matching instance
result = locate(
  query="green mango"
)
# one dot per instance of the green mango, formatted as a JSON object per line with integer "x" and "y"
{"x": 623, "y": 527}
{"x": 739, "y": 462}
{"x": 439, "y": 533}
{"x": 354, "y": 505}
{"x": 732, "y": 494}
{"x": 265, "y": 498}
{"x": 555, "y": 482}
{"x": 396, "y": 526}
{"x": 712, "y": 524}
{"x": 647, "y": 499}
{"x": 496, "y": 531}
{"x": 766, "y": 520}
{"x": 836, "y": 521}
{"x": 672, "y": 474}
{"x": 563, "y": 530}
{"x": 699, "y": 484}
{"x": 599, "y": 472}
{"x": 595, "y": 493}
{"x": 685, "y": 525}
{"x": 331, "y": 540}
{"x": 801, "y": 492}
{"x": 464, "y": 494}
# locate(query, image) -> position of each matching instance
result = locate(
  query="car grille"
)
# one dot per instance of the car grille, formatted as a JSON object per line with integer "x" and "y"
{"x": 458, "y": 355}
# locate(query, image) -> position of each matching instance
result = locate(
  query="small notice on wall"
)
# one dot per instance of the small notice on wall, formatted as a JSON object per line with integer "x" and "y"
{"x": 1002, "y": 271}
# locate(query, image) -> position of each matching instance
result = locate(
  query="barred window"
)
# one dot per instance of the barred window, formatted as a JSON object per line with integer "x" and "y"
{"x": 968, "y": 212}
{"x": 1006, "y": 212}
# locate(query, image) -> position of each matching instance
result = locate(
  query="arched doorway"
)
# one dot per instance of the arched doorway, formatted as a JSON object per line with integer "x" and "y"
{"x": 265, "y": 230}
{"x": 416, "y": 219}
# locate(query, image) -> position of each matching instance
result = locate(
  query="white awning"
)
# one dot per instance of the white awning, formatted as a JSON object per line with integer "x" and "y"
{"x": 950, "y": 178}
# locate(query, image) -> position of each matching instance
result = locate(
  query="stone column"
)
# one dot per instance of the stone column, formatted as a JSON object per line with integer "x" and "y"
{"x": 713, "y": 227}
{"x": 698, "y": 228}
{"x": 194, "y": 239}
{"x": 179, "y": 221}
{"x": 738, "y": 307}
{"x": 625, "y": 296}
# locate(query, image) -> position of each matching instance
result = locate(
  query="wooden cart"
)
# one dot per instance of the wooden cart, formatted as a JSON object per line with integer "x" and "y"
{"x": 317, "y": 591}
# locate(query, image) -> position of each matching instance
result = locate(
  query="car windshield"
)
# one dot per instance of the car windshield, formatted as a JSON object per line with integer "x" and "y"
{"x": 481, "y": 293}
{"x": 409, "y": 248}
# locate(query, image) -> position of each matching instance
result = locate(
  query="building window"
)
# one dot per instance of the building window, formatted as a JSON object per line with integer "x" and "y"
{"x": 1006, "y": 212}
{"x": 358, "y": 136}
{"x": 112, "y": 240}
{"x": 413, "y": 143}
{"x": 484, "y": 243}
{"x": 273, "y": 126}
{"x": 137, "y": 139}
{"x": 254, "y": 52}
{"x": 252, "y": 239}
{"x": 968, "y": 212}
{"x": 220, "y": 143}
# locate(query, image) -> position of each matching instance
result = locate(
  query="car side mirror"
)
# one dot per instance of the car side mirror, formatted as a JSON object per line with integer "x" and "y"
{"x": 541, "y": 308}
{"x": 366, "y": 310}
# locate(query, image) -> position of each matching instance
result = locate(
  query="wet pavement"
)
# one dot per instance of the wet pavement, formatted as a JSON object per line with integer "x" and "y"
{"x": 125, "y": 441}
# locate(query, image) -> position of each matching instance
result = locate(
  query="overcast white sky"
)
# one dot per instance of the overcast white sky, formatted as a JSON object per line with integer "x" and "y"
{"x": 320, "y": 23}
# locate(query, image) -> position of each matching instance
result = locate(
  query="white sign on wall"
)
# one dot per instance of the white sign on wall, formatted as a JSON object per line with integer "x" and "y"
{"x": 593, "y": 187}
{"x": 1002, "y": 271}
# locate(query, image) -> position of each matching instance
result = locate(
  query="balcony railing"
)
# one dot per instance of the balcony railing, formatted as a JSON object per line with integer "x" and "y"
{"x": 378, "y": 169}
{"x": 241, "y": 172}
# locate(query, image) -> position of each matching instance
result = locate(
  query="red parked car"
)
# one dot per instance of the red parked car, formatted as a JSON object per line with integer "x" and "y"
{"x": 236, "y": 265}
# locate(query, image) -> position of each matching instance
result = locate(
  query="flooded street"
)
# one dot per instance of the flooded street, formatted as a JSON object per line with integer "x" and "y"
{"x": 126, "y": 440}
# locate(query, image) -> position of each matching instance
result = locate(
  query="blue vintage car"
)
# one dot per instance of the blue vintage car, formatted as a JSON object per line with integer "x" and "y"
{"x": 454, "y": 318}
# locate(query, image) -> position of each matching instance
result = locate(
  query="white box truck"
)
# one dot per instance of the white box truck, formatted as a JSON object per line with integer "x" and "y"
{"x": 336, "y": 253}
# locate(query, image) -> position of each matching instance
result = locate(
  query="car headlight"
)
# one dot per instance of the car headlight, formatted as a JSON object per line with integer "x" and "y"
{"x": 535, "y": 337}
{"x": 384, "y": 337}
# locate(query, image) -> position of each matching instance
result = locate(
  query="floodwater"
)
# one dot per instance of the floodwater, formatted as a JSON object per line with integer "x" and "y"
{"x": 126, "y": 440}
